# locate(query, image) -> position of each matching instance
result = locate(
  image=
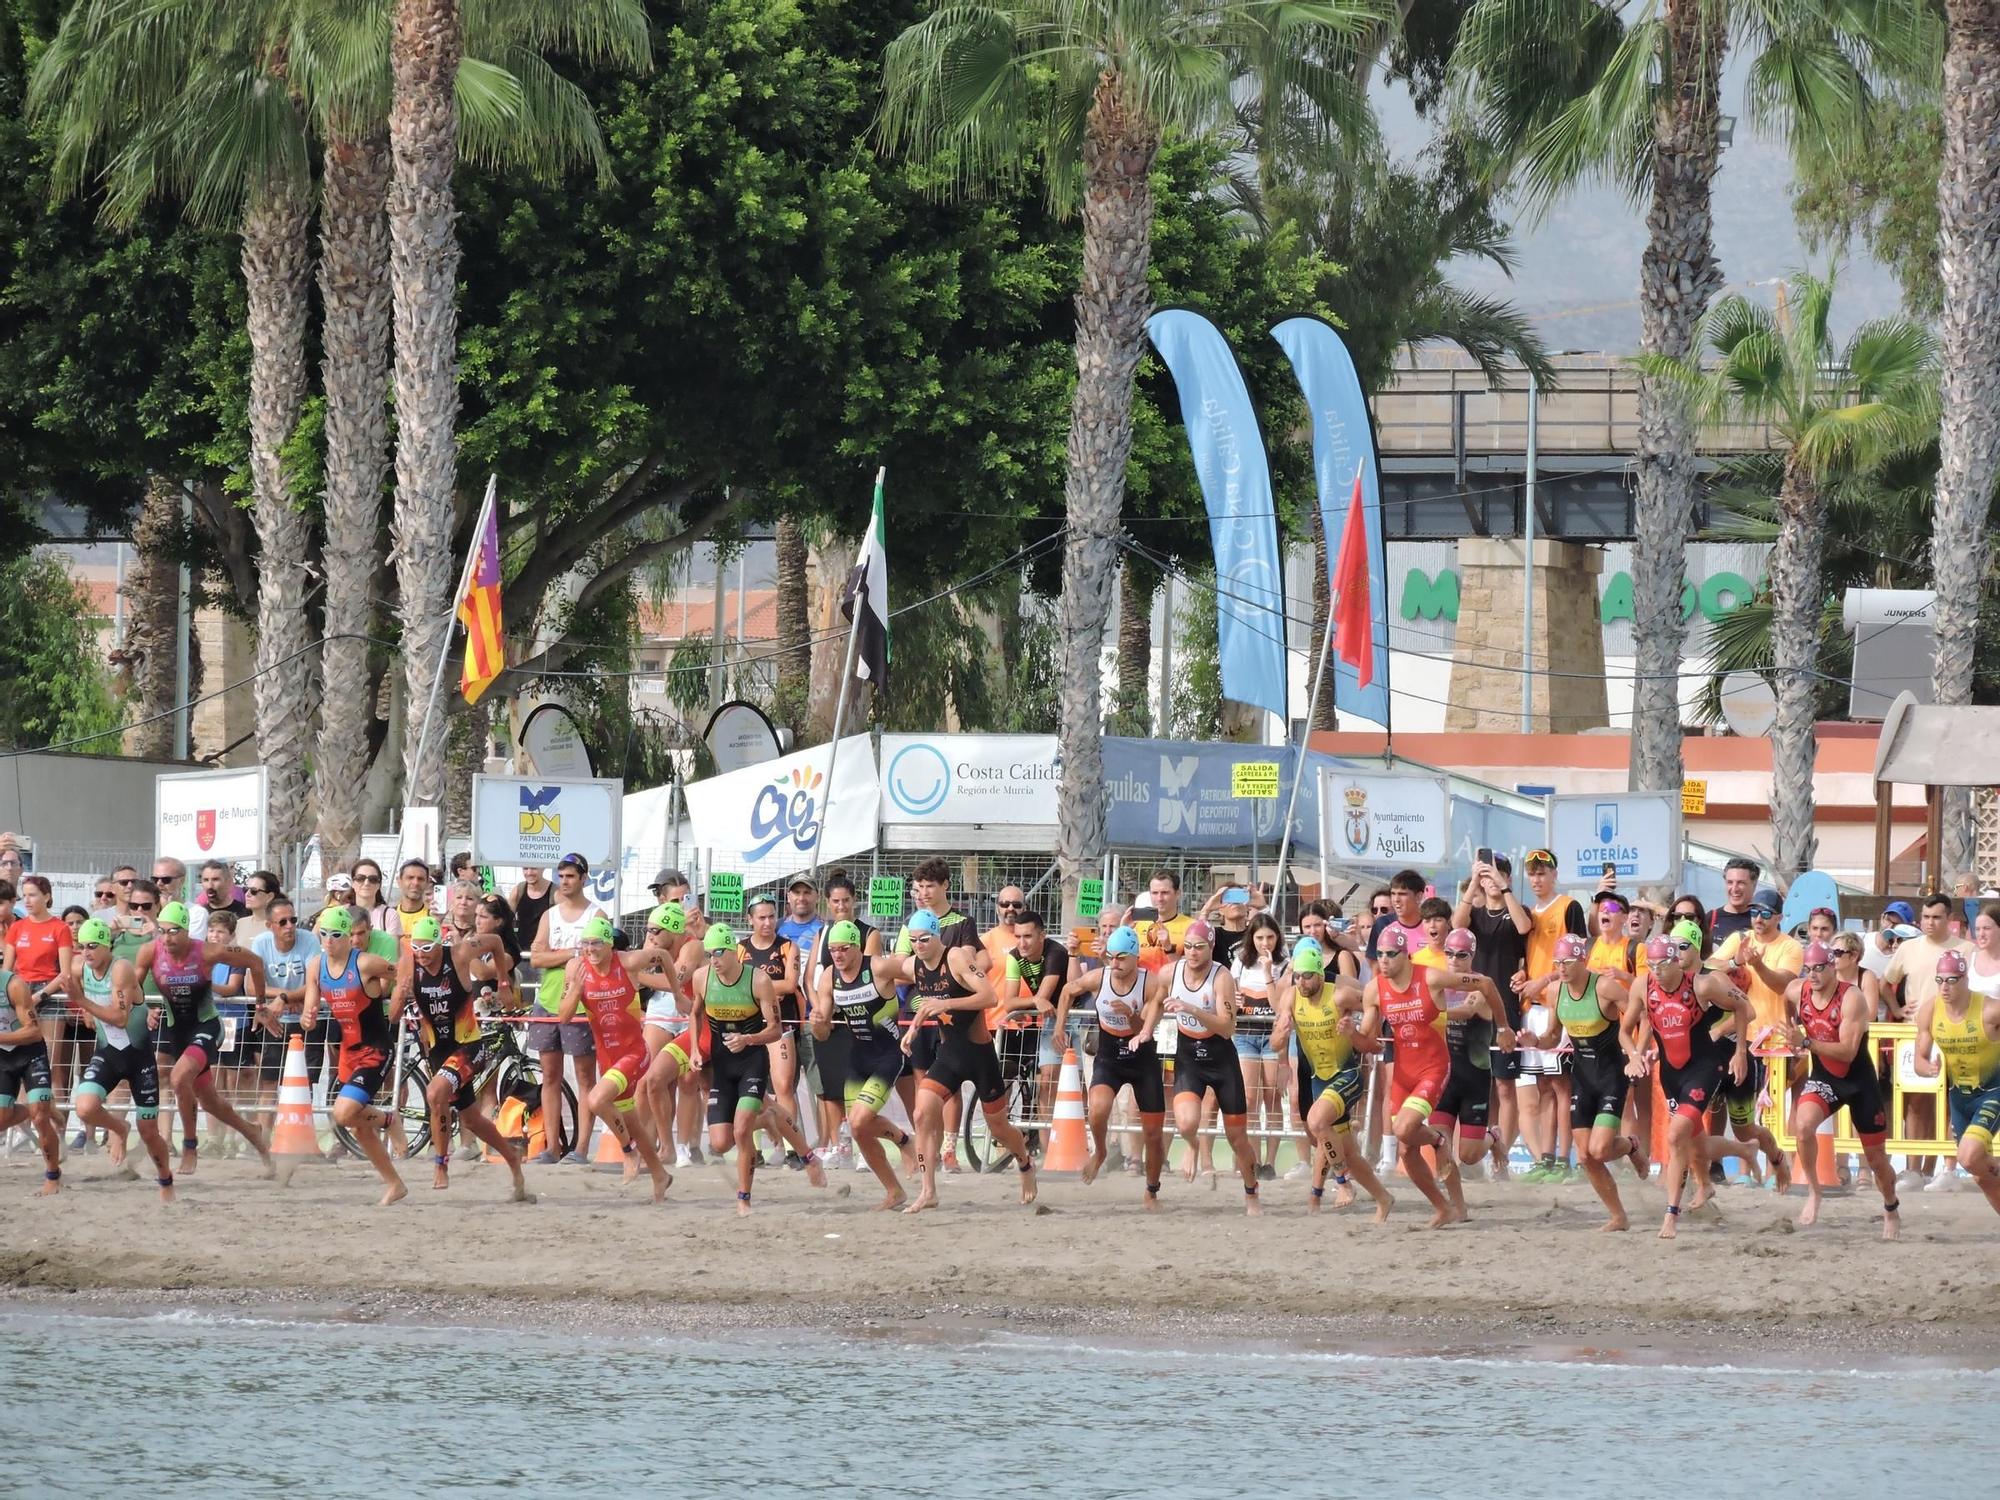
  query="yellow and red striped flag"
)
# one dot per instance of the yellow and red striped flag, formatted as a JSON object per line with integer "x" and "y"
{"x": 479, "y": 608}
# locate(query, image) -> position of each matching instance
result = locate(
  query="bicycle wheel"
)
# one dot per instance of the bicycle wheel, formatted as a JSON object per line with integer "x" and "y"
{"x": 976, "y": 1146}
{"x": 408, "y": 1107}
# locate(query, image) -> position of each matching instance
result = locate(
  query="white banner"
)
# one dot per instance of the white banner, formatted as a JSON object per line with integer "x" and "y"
{"x": 1637, "y": 834}
{"x": 200, "y": 815}
{"x": 970, "y": 778}
{"x": 762, "y": 821}
{"x": 527, "y": 820}
{"x": 1384, "y": 819}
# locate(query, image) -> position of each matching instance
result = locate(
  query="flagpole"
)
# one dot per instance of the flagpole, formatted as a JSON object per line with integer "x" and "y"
{"x": 846, "y": 686}
{"x": 1312, "y": 711}
{"x": 450, "y": 629}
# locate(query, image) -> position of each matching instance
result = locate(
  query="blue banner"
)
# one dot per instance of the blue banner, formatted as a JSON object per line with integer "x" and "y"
{"x": 1342, "y": 437}
{"x": 1175, "y": 794}
{"x": 1235, "y": 479}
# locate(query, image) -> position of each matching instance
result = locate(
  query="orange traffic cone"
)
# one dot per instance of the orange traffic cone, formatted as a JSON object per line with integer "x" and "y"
{"x": 608, "y": 1149}
{"x": 1067, "y": 1147}
{"x": 293, "y": 1132}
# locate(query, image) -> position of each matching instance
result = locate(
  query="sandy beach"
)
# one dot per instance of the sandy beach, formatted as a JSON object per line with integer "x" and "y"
{"x": 1529, "y": 1269}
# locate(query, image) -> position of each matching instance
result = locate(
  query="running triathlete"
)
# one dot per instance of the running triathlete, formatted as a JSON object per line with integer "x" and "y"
{"x": 1401, "y": 993}
{"x": 1201, "y": 997}
{"x": 354, "y": 987}
{"x": 442, "y": 981}
{"x": 604, "y": 984}
{"x": 27, "y": 1092}
{"x": 735, "y": 1005}
{"x": 1966, "y": 1031}
{"x": 1128, "y": 1009}
{"x": 1831, "y": 1025}
{"x": 1590, "y": 1007}
{"x": 953, "y": 998}
{"x": 1322, "y": 1017}
{"x": 777, "y": 958}
{"x": 670, "y": 1041}
{"x": 190, "y": 1027}
{"x": 106, "y": 989}
{"x": 1463, "y": 1109}
{"x": 855, "y": 993}
{"x": 1683, "y": 1011}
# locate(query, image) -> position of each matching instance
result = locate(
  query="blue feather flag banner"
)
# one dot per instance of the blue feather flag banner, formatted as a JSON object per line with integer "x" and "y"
{"x": 1235, "y": 476}
{"x": 1342, "y": 441}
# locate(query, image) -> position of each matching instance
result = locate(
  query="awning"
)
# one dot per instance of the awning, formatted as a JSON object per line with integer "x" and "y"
{"x": 1932, "y": 744}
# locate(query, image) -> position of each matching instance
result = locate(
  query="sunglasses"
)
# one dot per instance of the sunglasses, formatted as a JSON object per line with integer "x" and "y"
{"x": 366, "y": 879}
{"x": 256, "y": 890}
{"x": 107, "y": 895}
{"x": 159, "y": 879}
{"x": 1380, "y": 911}
{"x": 1539, "y": 857}
{"x": 142, "y": 906}
{"x": 1761, "y": 914}
{"x": 285, "y": 922}
{"x": 125, "y": 880}
{"x": 1010, "y": 905}
{"x": 1890, "y": 939}
{"x": 169, "y": 927}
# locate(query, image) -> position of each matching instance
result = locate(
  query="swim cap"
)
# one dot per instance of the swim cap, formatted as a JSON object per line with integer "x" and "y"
{"x": 174, "y": 914}
{"x": 924, "y": 921}
{"x": 426, "y": 930}
{"x": 1460, "y": 940}
{"x": 93, "y": 931}
{"x": 844, "y": 933}
{"x": 1818, "y": 953}
{"x": 669, "y": 916}
{"x": 1660, "y": 951}
{"x": 1198, "y": 932}
{"x": 335, "y": 922}
{"x": 598, "y": 930}
{"x": 718, "y": 938}
{"x": 1569, "y": 946}
{"x": 1951, "y": 961}
{"x": 1685, "y": 931}
{"x": 1122, "y": 940}
{"x": 1392, "y": 940}
{"x": 1307, "y": 959}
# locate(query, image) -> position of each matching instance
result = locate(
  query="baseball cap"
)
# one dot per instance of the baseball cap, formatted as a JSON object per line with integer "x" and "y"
{"x": 575, "y": 862}
{"x": 1460, "y": 940}
{"x": 1198, "y": 932}
{"x": 668, "y": 916}
{"x": 1235, "y": 896}
{"x": 598, "y": 930}
{"x": 336, "y": 922}
{"x": 801, "y": 883}
{"x": 1818, "y": 953}
{"x": 93, "y": 931}
{"x": 1685, "y": 931}
{"x": 1660, "y": 951}
{"x": 1122, "y": 940}
{"x": 1570, "y": 946}
{"x": 1951, "y": 961}
{"x": 1767, "y": 895}
{"x": 718, "y": 938}
{"x": 1392, "y": 940}
{"x": 667, "y": 877}
{"x": 426, "y": 930}
{"x": 339, "y": 883}
{"x": 921, "y": 922}
{"x": 1900, "y": 911}
{"x": 845, "y": 933}
{"x": 174, "y": 914}
{"x": 1307, "y": 958}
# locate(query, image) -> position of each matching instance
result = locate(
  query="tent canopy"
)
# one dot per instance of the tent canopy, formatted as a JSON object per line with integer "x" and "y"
{"x": 1931, "y": 744}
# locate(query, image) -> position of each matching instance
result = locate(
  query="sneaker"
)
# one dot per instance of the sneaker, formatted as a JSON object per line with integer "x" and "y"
{"x": 682, "y": 1158}
{"x": 1572, "y": 1174}
{"x": 1945, "y": 1182}
{"x": 1909, "y": 1177}
{"x": 1267, "y": 1174}
{"x": 795, "y": 1161}
{"x": 1386, "y": 1163}
{"x": 1299, "y": 1173}
{"x": 80, "y": 1141}
{"x": 694, "y": 1156}
{"x": 575, "y": 1159}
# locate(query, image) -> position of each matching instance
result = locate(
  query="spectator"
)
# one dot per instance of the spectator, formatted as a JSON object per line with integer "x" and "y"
{"x": 363, "y": 885}
{"x": 1164, "y": 935}
{"x": 170, "y": 878}
{"x": 107, "y": 897}
{"x": 1500, "y": 925}
{"x": 287, "y": 947}
{"x": 413, "y": 898}
{"x": 218, "y": 889}
{"x": 802, "y": 923}
{"x": 1739, "y": 883}
{"x": 1690, "y": 909}
{"x": 532, "y": 896}
{"x": 1405, "y": 909}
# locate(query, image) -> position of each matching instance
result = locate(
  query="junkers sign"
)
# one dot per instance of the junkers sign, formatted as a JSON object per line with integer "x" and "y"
{"x": 970, "y": 778}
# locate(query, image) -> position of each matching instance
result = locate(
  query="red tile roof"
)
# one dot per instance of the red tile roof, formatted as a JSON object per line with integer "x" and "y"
{"x": 692, "y": 612}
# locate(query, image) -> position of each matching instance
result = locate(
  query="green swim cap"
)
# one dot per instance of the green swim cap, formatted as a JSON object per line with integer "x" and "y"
{"x": 174, "y": 914}
{"x": 718, "y": 938}
{"x": 1685, "y": 931}
{"x": 598, "y": 930}
{"x": 426, "y": 930}
{"x": 335, "y": 922}
{"x": 669, "y": 916}
{"x": 93, "y": 931}
{"x": 1307, "y": 958}
{"x": 844, "y": 932}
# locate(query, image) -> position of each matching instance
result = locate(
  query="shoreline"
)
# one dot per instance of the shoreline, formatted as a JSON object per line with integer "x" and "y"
{"x": 1528, "y": 1278}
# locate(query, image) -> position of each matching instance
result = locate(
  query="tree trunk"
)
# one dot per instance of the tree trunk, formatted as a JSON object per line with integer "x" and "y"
{"x": 1795, "y": 611}
{"x": 428, "y": 42}
{"x": 1323, "y": 714}
{"x": 1112, "y": 304}
{"x": 152, "y": 616}
{"x": 1138, "y": 581}
{"x": 829, "y": 565}
{"x": 277, "y": 267}
{"x": 1969, "y": 434}
{"x": 794, "y": 627}
{"x": 354, "y": 291}
{"x": 1678, "y": 277}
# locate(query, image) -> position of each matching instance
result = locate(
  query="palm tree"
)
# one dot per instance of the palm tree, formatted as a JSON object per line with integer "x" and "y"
{"x": 1833, "y": 411}
{"x": 1969, "y": 433}
{"x": 1085, "y": 94}
{"x": 1566, "y": 90}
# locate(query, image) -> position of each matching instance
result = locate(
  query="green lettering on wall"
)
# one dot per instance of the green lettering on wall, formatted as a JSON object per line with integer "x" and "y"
{"x": 1617, "y": 603}
{"x": 1723, "y": 592}
{"x": 1430, "y": 598}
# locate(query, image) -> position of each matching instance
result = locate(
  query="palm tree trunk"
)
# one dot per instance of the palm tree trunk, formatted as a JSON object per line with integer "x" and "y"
{"x": 829, "y": 563}
{"x": 794, "y": 628}
{"x": 1795, "y": 613}
{"x": 354, "y": 292}
{"x": 152, "y": 617}
{"x": 428, "y": 41}
{"x": 1112, "y": 305}
{"x": 277, "y": 268}
{"x": 1969, "y": 436}
{"x": 1678, "y": 277}
{"x": 1138, "y": 580}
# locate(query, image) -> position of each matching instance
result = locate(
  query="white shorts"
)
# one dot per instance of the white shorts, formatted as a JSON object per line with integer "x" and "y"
{"x": 663, "y": 1011}
{"x": 1535, "y": 1061}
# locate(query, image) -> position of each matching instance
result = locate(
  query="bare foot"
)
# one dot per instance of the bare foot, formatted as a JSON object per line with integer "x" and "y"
{"x": 1809, "y": 1215}
{"x": 1702, "y": 1193}
{"x": 1616, "y": 1224}
{"x": 1382, "y": 1206}
{"x": 521, "y": 1193}
{"x": 440, "y": 1176}
{"x": 1313, "y": 1204}
{"x": 167, "y": 1192}
{"x": 892, "y": 1201}
{"x": 815, "y": 1173}
{"x": 631, "y": 1167}
{"x": 49, "y": 1189}
{"x": 1208, "y": 1173}
{"x": 1892, "y": 1225}
{"x": 270, "y": 1163}
{"x": 188, "y": 1162}
{"x": 662, "y": 1180}
{"x": 114, "y": 1144}
{"x": 1639, "y": 1162}
{"x": 1190, "y": 1167}
{"x": 1440, "y": 1218}
{"x": 742, "y": 1207}
{"x": 1152, "y": 1202}
{"x": 1252, "y": 1207}
{"x": 396, "y": 1193}
{"x": 925, "y": 1199}
{"x": 1028, "y": 1186}
{"x": 1343, "y": 1195}
{"x": 1783, "y": 1173}
{"x": 1667, "y": 1229}
{"x": 1091, "y": 1163}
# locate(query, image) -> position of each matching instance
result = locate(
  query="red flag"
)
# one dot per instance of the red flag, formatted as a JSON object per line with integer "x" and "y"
{"x": 1353, "y": 635}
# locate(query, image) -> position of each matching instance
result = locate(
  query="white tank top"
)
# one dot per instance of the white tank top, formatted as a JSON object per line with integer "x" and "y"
{"x": 1116, "y": 1013}
{"x": 1981, "y": 984}
{"x": 1202, "y": 995}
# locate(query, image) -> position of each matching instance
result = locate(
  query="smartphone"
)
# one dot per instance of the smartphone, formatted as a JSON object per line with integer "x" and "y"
{"x": 1610, "y": 869}
{"x": 1482, "y": 856}
{"x": 1338, "y": 924}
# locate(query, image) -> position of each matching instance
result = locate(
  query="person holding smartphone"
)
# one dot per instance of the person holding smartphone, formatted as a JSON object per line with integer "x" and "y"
{"x": 1500, "y": 924}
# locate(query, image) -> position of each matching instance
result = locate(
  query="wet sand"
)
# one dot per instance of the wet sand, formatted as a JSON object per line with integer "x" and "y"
{"x": 1529, "y": 1273}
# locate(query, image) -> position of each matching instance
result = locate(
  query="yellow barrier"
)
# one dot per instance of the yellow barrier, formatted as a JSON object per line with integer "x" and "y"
{"x": 1891, "y": 1043}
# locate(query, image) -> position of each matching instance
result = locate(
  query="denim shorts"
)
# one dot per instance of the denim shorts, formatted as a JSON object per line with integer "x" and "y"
{"x": 1050, "y": 1055}
{"x": 1253, "y": 1044}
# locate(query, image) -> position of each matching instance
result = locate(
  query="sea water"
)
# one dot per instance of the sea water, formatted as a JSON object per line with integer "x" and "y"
{"x": 194, "y": 1403}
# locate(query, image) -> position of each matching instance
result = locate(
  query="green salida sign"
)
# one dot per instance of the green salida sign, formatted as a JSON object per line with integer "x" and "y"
{"x": 1427, "y": 596}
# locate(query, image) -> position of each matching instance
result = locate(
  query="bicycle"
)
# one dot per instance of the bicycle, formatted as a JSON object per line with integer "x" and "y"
{"x": 1020, "y": 1065}
{"x": 511, "y": 1073}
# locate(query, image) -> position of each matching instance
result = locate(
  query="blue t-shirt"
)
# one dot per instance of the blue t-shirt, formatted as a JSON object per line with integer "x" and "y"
{"x": 285, "y": 971}
{"x": 803, "y": 935}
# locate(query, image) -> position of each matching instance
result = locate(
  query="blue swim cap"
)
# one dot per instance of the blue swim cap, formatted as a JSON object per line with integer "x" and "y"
{"x": 1122, "y": 940}
{"x": 924, "y": 921}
